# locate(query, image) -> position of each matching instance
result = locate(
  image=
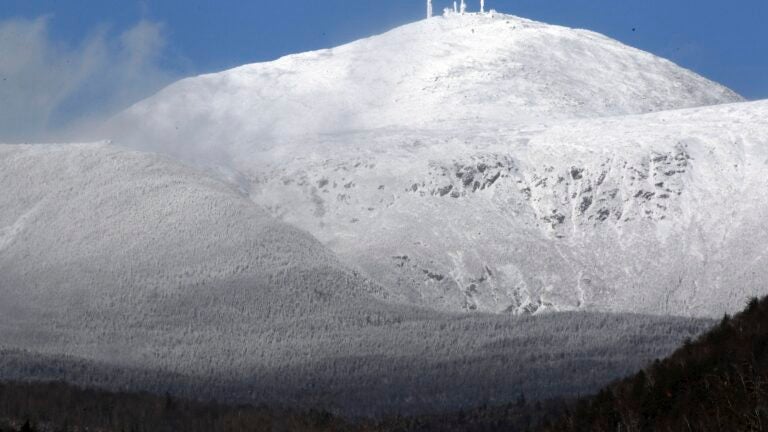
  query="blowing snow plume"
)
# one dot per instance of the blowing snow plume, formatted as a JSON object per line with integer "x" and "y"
{"x": 50, "y": 89}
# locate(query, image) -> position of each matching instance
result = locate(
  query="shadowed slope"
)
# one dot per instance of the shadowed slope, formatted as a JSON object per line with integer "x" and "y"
{"x": 718, "y": 382}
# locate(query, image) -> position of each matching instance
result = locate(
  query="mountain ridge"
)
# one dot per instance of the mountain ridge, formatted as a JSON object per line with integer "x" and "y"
{"x": 523, "y": 218}
{"x": 438, "y": 73}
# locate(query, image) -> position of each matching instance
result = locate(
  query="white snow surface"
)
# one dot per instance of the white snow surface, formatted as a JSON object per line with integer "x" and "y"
{"x": 443, "y": 73}
{"x": 492, "y": 163}
{"x": 127, "y": 270}
{"x": 97, "y": 229}
{"x": 658, "y": 213}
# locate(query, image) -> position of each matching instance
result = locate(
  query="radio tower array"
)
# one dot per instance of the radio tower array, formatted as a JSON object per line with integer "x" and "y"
{"x": 456, "y": 8}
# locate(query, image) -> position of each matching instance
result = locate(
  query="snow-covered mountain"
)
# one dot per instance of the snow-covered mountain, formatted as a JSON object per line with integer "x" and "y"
{"x": 488, "y": 162}
{"x": 444, "y": 73}
{"x": 367, "y": 197}
{"x": 123, "y": 270}
{"x": 657, "y": 213}
{"x": 92, "y": 230}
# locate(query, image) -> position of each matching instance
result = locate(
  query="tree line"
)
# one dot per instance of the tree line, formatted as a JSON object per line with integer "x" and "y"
{"x": 718, "y": 382}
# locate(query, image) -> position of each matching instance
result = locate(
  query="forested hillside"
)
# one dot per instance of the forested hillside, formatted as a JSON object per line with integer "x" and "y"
{"x": 421, "y": 365}
{"x": 717, "y": 383}
{"x": 56, "y": 406}
{"x": 149, "y": 276}
{"x": 60, "y": 407}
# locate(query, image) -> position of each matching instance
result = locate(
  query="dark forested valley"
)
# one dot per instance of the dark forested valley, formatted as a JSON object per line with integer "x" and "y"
{"x": 716, "y": 382}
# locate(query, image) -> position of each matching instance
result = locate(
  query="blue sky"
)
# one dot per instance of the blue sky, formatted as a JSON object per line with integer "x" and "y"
{"x": 167, "y": 39}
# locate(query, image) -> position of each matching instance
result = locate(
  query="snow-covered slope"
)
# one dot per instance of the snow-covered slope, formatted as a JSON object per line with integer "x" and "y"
{"x": 658, "y": 213}
{"x": 480, "y": 162}
{"x": 93, "y": 229}
{"x": 128, "y": 270}
{"x": 443, "y": 73}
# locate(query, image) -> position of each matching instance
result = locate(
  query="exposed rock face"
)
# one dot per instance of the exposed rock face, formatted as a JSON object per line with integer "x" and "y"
{"x": 658, "y": 213}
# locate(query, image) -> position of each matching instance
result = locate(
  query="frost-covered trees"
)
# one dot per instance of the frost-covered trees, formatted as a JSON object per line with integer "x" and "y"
{"x": 364, "y": 359}
{"x": 463, "y": 7}
{"x": 251, "y": 308}
{"x": 482, "y": 6}
{"x": 429, "y": 9}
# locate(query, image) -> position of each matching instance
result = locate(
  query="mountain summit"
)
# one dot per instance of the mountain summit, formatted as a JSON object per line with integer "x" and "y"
{"x": 489, "y": 69}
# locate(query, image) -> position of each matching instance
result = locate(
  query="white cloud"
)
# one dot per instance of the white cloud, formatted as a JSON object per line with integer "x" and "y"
{"x": 47, "y": 88}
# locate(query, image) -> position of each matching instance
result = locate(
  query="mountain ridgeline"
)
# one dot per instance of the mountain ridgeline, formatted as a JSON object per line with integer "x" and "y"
{"x": 492, "y": 71}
